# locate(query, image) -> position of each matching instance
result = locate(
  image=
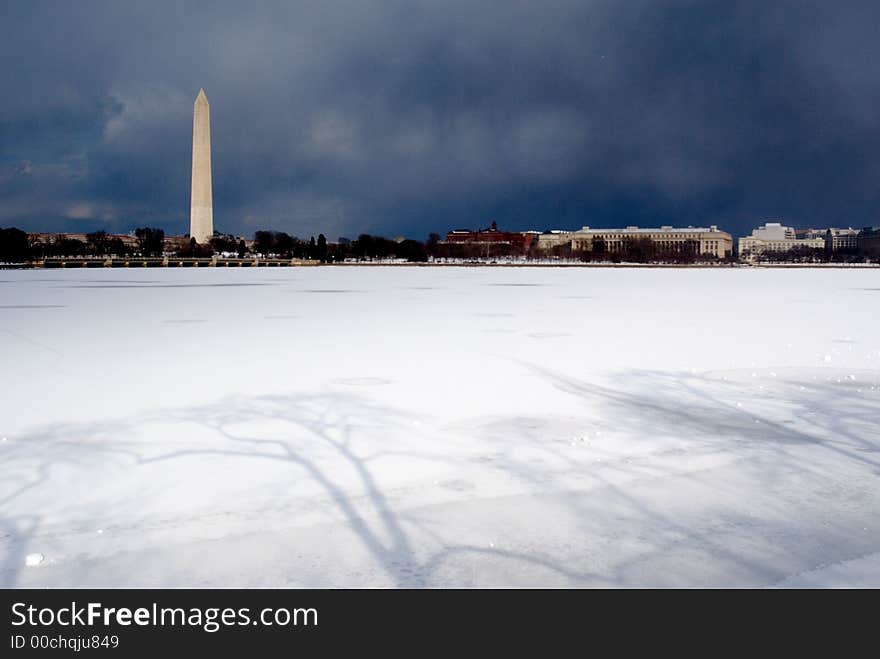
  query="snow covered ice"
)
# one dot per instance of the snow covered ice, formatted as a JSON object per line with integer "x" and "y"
{"x": 412, "y": 426}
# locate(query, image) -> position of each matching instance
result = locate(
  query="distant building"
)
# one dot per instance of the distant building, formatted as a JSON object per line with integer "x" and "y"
{"x": 698, "y": 240}
{"x": 868, "y": 242}
{"x": 519, "y": 240}
{"x": 554, "y": 238}
{"x": 841, "y": 239}
{"x": 774, "y": 237}
{"x": 802, "y": 234}
{"x": 127, "y": 239}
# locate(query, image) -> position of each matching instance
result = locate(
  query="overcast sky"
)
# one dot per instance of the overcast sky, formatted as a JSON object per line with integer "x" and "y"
{"x": 403, "y": 118}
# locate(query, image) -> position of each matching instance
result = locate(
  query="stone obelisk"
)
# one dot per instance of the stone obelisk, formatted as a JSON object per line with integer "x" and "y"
{"x": 201, "y": 214}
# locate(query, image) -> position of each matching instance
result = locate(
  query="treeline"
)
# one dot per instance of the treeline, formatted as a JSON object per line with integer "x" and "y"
{"x": 17, "y": 247}
{"x": 365, "y": 248}
{"x": 802, "y": 254}
{"x": 14, "y": 247}
{"x": 283, "y": 245}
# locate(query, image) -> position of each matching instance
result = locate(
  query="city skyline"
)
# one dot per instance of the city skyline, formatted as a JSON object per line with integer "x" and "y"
{"x": 336, "y": 120}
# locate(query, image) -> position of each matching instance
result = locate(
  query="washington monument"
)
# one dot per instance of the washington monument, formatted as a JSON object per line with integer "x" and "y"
{"x": 201, "y": 214}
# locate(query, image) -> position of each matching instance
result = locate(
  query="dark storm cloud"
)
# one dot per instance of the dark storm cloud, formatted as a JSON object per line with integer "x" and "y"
{"x": 410, "y": 117}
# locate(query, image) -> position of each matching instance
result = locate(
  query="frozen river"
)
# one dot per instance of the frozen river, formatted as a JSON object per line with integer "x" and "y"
{"x": 397, "y": 426}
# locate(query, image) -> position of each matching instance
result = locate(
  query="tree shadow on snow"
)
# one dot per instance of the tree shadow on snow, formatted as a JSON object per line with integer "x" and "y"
{"x": 321, "y": 436}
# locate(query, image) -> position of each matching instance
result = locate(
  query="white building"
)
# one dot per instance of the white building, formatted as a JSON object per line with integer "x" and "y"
{"x": 774, "y": 237}
{"x": 837, "y": 239}
{"x": 554, "y": 238}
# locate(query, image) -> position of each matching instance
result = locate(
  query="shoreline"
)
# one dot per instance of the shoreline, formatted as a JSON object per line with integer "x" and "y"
{"x": 77, "y": 264}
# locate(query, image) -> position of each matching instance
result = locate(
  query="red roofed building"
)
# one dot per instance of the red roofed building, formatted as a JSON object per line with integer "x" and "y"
{"x": 521, "y": 240}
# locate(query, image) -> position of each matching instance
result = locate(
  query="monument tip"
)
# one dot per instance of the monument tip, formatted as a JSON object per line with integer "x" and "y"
{"x": 201, "y": 96}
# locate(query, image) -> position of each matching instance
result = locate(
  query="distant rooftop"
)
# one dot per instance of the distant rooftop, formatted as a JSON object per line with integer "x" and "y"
{"x": 663, "y": 229}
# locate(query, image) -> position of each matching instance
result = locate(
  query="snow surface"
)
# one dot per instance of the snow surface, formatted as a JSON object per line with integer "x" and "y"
{"x": 403, "y": 426}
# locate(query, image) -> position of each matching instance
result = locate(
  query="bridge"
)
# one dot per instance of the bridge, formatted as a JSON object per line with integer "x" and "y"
{"x": 167, "y": 262}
